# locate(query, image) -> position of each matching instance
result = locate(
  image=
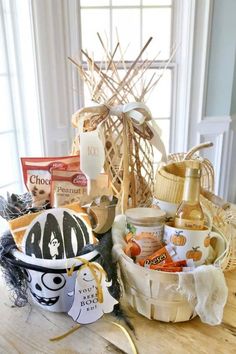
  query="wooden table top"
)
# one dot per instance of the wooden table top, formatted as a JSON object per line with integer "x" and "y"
{"x": 27, "y": 330}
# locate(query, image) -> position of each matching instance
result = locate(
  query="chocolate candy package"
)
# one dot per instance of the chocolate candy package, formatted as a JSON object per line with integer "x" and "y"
{"x": 37, "y": 175}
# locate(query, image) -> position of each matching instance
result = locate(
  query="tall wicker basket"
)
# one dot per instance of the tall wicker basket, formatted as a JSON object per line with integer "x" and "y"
{"x": 122, "y": 119}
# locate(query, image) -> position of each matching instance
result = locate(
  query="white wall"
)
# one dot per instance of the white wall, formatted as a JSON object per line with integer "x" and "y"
{"x": 221, "y": 87}
{"x": 222, "y": 59}
{"x": 213, "y": 113}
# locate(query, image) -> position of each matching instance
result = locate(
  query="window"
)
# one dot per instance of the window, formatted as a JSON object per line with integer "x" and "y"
{"x": 39, "y": 89}
{"x": 37, "y": 37}
{"x": 133, "y": 22}
{"x": 19, "y": 123}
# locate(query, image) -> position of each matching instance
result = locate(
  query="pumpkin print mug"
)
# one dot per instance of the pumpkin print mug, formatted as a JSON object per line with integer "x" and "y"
{"x": 193, "y": 244}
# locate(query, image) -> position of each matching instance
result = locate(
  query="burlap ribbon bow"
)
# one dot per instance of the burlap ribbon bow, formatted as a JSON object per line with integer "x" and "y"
{"x": 90, "y": 118}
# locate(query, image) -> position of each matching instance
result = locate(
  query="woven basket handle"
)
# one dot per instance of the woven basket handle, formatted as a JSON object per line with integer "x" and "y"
{"x": 197, "y": 148}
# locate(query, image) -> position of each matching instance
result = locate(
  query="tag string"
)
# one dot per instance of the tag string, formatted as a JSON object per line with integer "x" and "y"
{"x": 93, "y": 267}
{"x": 128, "y": 336}
{"x": 70, "y": 271}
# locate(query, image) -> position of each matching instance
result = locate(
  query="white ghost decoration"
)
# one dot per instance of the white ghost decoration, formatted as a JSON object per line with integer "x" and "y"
{"x": 53, "y": 246}
{"x": 86, "y": 308}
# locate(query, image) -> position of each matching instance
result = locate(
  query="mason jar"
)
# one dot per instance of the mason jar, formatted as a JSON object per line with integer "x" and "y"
{"x": 145, "y": 228}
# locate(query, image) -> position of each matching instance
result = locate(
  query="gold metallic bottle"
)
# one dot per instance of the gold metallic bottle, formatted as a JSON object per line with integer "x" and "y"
{"x": 189, "y": 214}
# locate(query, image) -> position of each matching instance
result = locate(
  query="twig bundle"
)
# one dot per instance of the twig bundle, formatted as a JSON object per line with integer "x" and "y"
{"x": 128, "y": 148}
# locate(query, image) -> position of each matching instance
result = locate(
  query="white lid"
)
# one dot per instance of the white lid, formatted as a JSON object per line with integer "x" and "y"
{"x": 145, "y": 215}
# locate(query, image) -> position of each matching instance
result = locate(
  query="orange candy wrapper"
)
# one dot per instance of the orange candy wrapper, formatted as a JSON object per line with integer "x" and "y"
{"x": 185, "y": 263}
{"x": 177, "y": 266}
{"x": 162, "y": 256}
{"x": 164, "y": 260}
{"x": 167, "y": 269}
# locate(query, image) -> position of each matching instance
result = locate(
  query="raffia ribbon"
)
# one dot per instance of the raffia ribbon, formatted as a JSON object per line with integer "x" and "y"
{"x": 137, "y": 112}
{"x": 78, "y": 326}
{"x": 93, "y": 267}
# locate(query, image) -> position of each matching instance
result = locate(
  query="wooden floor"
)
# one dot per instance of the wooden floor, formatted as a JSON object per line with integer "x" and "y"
{"x": 28, "y": 330}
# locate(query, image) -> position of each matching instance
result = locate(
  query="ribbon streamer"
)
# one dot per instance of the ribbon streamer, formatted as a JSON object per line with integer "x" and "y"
{"x": 138, "y": 112}
{"x": 75, "y": 328}
{"x": 64, "y": 335}
{"x": 124, "y": 330}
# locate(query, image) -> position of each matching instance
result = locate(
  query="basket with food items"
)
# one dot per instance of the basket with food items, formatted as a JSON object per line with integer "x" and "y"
{"x": 172, "y": 255}
{"x": 172, "y": 240}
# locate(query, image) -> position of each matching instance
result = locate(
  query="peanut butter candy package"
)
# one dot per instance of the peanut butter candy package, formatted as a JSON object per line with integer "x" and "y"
{"x": 71, "y": 186}
{"x": 164, "y": 255}
{"x": 37, "y": 175}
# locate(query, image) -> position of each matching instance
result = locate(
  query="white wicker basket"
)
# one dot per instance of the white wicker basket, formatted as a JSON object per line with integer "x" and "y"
{"x": 153, "y": 294}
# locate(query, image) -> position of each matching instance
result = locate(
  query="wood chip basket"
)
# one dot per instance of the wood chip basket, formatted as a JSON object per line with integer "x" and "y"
{"x": 154, "y": 294}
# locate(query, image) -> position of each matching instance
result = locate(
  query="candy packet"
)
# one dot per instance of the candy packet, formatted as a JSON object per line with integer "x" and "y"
{"x": 162, "y": 256}
{"x": 182, "y": 265}
{"x": 71, "y": 186}
{"x": 37, "y": 175}
{"x": 168, "y": 269}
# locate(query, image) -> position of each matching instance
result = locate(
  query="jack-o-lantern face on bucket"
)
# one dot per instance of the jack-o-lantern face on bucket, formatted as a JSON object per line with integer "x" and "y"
{"x": 50, "y": 290}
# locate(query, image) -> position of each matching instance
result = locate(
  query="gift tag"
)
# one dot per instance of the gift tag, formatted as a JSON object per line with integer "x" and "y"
{"x": 91, "y": 298}
{"x": 92, "y": 155}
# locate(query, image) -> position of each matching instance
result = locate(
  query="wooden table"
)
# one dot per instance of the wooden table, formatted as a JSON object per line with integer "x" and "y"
{"x": 28, "y": 330}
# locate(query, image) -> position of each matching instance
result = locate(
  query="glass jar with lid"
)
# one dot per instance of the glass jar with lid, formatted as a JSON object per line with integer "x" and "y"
{"x": 145, "y": 229}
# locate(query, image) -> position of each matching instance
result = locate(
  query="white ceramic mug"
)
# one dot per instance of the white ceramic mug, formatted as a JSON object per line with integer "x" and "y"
{"x": 169, "y": 208}
{"x": 192, "y": 244}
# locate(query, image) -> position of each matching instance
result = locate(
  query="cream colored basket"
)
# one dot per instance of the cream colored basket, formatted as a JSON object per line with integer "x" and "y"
{"x": 169, "y": 182}
{"x": 152, "y": 294}
{"x": 155, "y": 294}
